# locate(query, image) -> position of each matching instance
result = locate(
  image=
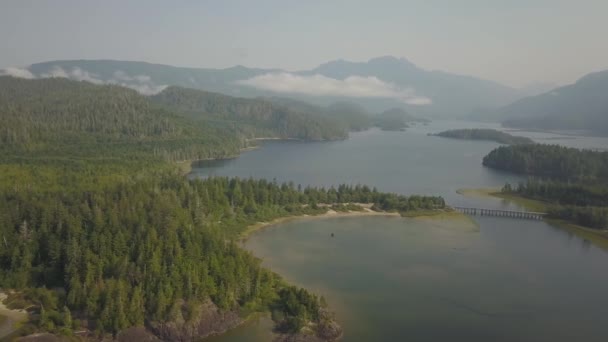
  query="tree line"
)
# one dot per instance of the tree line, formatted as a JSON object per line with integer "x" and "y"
{"x": 485, "y": 134}
{"x": 552, "y": 161}
{"x": 137, "y": 250}
{"x": 572, "y": 182}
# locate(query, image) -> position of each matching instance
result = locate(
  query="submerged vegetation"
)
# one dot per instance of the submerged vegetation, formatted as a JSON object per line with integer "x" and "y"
{"x": 485, "y": 134}
{"x": 99, "y": 230}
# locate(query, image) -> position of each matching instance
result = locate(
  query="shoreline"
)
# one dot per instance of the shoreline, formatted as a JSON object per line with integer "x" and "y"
{"x": 185, "y": 166}
{"x": 252, "y": 228}
{"x": 12, "y": 318}
{"x": 366, "y": 212}
{"x": 599, "y": 238}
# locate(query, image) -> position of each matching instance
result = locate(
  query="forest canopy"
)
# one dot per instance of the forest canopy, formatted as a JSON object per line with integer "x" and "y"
{"x": 573, "y": 182}
{"x": 100, "y": 231}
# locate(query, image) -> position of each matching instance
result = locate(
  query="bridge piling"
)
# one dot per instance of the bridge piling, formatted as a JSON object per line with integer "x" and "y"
{"x": 526, "y": 215}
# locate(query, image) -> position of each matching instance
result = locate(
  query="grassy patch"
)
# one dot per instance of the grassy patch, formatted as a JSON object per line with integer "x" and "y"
{"x": 527, "y": 203}
{"x": 431, "y": 213}
{"x": 597, "y": 237}
{"x": 184, "y": 167}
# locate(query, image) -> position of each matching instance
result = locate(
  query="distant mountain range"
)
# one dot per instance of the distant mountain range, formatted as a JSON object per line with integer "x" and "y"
{"x": 347, "y": 91}
{"x": 582, "y": 106}
{"x": 379, "y": 84}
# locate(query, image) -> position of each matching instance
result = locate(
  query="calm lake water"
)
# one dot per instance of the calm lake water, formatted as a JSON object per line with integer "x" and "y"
{"x": 397, "y": 279}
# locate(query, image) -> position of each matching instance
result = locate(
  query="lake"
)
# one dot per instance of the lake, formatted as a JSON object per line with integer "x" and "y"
{"x": 396, "y": 279}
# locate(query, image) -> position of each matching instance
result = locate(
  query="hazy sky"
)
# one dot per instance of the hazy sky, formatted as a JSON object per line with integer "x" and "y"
{"x": 515, "y": 42}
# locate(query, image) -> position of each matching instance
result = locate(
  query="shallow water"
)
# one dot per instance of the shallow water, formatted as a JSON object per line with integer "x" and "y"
{"x": 396, "y": 279}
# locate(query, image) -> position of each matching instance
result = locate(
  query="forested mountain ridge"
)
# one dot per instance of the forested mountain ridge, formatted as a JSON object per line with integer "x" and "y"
{"x": 57, "y": 115}
{"x": 452, "y": 95}
{"x": 582, "y": 106}
{"x": 49, "y": 115}
{"x": 351, "y": 116}
{"x": 264, "y": 118}
{"x": 44, "y": 106}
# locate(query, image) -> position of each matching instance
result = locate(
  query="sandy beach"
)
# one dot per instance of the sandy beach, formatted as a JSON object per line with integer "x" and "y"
{"x": 10, "y": 318}
{"x": 329, "y": 214}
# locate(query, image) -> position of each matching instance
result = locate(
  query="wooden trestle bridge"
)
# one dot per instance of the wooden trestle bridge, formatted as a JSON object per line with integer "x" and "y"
{"x": 527, "y": 215}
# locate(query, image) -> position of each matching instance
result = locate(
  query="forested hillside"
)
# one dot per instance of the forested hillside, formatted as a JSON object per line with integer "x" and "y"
{"x": 100, "y": 232}
{"x": 451, "y": 95}
{"x": 573, "y": 183}
{"x": 56, "y": 116}
{"x": 351, "y": 116}
{"x": 255, "y": 117}
{"x": 550, "y": 161}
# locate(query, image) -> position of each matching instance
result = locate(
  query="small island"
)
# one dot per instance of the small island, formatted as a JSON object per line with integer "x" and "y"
{"x": 396, "y": 119}
{"x": 484, "y": 134}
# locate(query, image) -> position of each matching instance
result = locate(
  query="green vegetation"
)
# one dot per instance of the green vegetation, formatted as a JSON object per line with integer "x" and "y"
{"x": 551, "y": 161}
{"x": 395, "y": 119}
{"x": 572, "y": 182}
{"x": 585, "y": 205}
{"x": 297, "y": 308}
{"x": 453, "y": 95}
{"x": 62, "y": 121}
{"x": 485, "y": 134}
{"x": 253, "y": 118}
{"x": 350, "y": 116}
{"x": 99, "y": 230}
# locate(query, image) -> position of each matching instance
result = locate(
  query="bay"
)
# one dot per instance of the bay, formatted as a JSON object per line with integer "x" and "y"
{"x": 396, "y": 279}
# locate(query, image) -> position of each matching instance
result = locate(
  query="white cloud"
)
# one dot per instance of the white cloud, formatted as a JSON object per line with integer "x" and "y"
{"x": 55, "y": 72}
{"x": 83, "y": 75}
{"x": 319, "y": 85}
{"x": 17, "y": 72}
{"x": 144, "y": 89}
{"x": 74, "y": 74}
{"x": 141, "y": 83}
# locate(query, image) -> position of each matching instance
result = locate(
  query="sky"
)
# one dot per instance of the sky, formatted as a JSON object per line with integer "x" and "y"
{"x": 513, "y": 42}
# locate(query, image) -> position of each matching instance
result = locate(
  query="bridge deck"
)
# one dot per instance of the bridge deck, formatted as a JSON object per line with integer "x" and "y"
{"x": 529, "y": 215}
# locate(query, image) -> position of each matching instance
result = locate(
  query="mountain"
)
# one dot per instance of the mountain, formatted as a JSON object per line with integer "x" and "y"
{"x": 387, "y": 82}
{"x": 54, "y": 116}
{"x": 451, "y": 95}
{"x": 256, "y": 118}
{"x": 582, "y": 106}
{"x": 57, "y": 116}
{"x": 150, "y": 77}
{"x": 350, "y": 115}
{"x": 395, "y": 119}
